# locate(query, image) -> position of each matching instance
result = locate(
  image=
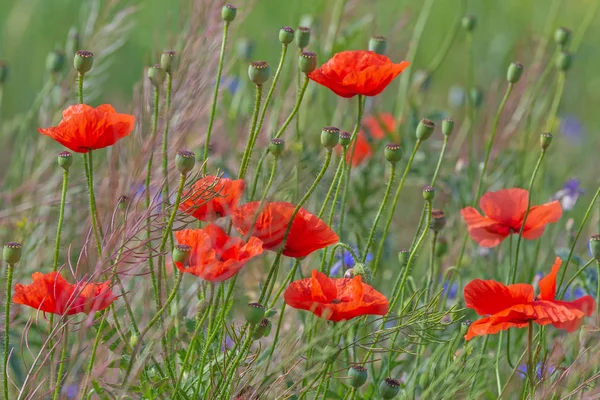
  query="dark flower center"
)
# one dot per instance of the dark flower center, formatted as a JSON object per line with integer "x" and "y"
{"x": 336, "y": 301}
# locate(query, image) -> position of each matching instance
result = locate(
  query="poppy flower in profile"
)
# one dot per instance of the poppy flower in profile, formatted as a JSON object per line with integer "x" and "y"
{"x": 215, "y": 256}
{"x": 357, "y": 72}
{"x": 213, "y": 197}
{"x": 335, "y": 299}
{"x": 308, "y": 232}
{"x": 84, "y": 128}
{"x": 51, "y": 293}
{"x": 515, "y": 305}
{"x": 504, "y": 213}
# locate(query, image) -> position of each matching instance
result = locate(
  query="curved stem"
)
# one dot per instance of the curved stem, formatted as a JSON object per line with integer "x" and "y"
{"x": 63, "y": 361}
{"x": 386, "y": 197}
{"x": 7, "y": 301}
{"x": 564, "y": 290}
{"x": 252, "y": 136}
{"x": 447, "y": 45}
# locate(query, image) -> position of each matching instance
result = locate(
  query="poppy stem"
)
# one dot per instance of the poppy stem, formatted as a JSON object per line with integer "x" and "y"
{"x": 7, "y": 302}
{"x": 560, "y": 85}
{"x": 471, "y": 107}
{"x": 80, "y": 88}
{"x": 530, "y": 361}
{"x": 213, "y": 108}
{"x": 579, "y": 271}
{"x": 334, "y": 182}
{"x": 386, "y": 197}
{"x": 252, "y": 136}
{"x": 432, "y": 267}
{"x": 89, "y": 172}
{"x": 165, "y": 143}
{"x": 62, "y": 362}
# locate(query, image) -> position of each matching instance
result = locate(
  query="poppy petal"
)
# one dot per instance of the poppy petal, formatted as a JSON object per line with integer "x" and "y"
{"x": 489, "y": 297}
{"x": 506, "y": 206}
{"x": 547, "y": 284}
{"x": 539, "y": 216}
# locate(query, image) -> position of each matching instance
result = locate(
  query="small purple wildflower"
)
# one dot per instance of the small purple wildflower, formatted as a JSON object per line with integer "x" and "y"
{"x": 569, "y": 194}
{"x": 227, "y": 344}
{"x": 451, "y": 292}
{"x": 540, "y": 369}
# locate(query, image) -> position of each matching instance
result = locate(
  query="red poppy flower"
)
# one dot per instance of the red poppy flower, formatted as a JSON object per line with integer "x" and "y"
{"x": 84, "y": 128}
{"x": 357, "y": 72}
{"x": 216, "y": 257}
{"x": 515, "y": 305}
{"x": 380, "y": 125}
{"x": 204, "y": 204}
{"x": 504, "y": 213}
{"x": 335, "y": 299}
{"x": 53, "y": 294}
{"x": 308, "y": 232}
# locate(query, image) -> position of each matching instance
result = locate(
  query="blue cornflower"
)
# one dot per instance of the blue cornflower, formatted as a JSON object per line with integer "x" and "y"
{"x": 451, "y": 291}
{"x": 569, "y": 194}
{"x": 572, "y": 128}
{"x": 541, "y": 370}
{"x": 574, "y": 292}
{"x": 345, "y": 259}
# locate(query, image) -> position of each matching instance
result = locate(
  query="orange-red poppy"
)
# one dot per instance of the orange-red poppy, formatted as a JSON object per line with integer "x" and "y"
{"x": 308, "y": 232}
{"x": 380, "y": 125}
{"x": 53, "y": 294}
{"x": 212, "y": 197}
{"x": 504, "y": 213}
{"x": 357, "y": 72}
{"x": 515, "y": 305}
{"x": 215, "y": 256}
{"x": 335, "y": 299}
{"x": 84, "y": 128}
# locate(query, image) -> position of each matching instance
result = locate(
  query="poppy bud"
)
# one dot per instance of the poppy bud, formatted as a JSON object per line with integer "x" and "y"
{"x": 403, "y": 256}
{"x": 276, "y": 147}
{"x": 389, "y": 388}
{"x": 515, "y": 70}
{"x": 262, "y": 329}
{"x": 476, "y": 95}
{"x": 464, "y": 326}
{"x": 11, "y": 253}
{"x": 562, "y": 36}
{"x": 228, "y": 12}
{"x": 345, "y": 138}
{"x": 133, "y": 340}
{"x": 259, "y": 72}
{"x": 181, "y": 254}
{"x": 442, "y": 247}
{"x": 393, "y": 152}
{"x": 378, "y": 44}
{"x": 245, "y": 49}
{"x": 563, "y": 61}
{"x": 3, "y": 72}
{"x": 358, "y": 376}
{"x": 83, "y": 61}
{"x": 156, "y": 75}
{"x": 447, "y": 127}
{"x": 302, "y": 36}
{"x": 428, "y": 193}
{"x": 307, "y": 62}
{"x": 184, "y": 161}
{"x": 167, "y": 60}
{"x": 364, "y": 271}
{"x": 425, "y": 129}
{"x": 595, "y": 247}
{"x": 438, "y": 220}
{"x": 469, "y": 23}
{"x": 123, "y": 203}
{"x": 330, "y": 136}
{"x": 286, "y": 35}
{"x": 55, "y": 61}
{"x": 65, "y": 160}
{"x": 545, "y": 140}
{"x": 254, "y": 313}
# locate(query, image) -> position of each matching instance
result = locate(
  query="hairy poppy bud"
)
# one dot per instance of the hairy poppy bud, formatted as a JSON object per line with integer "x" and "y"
{"x": 55, "y": 61}
{"x": 563, "y": 61}
{"x": 259, "y": 72}
{"x": 378, "y": 44}
{"x": 167, "y": 60}
{"x": 302, "y": 36}
{"x": 307, "y": 62}
{"x": 515, "y": 70}
{"x": 11, "y": 253}
{"x": 393, "y": 152}
{"x": 3, "y": 72}
{"x": 403, "y": 256}
{"x": 181, "y": 254}
{"x": 562, "y": 36}
{"x": 123, "y": 203}
{"x": 245, "y": 49}
{"x": 438, "y": 220}
{"x": 228, "y": 12}
{"x": 156, "y": 75}
{"x": 184, "y": 161}
{"x": 425, "y": 129}
{"x": 595, "y": 247}
{"x": 469, "y": 23}
{"x": 83, "y": 61}
{"x": 545, "y": 140}
{"x": 330, "y": 136}
{"x": 428, "y": 193}
{"x": 476, "y": 95}
{"x": 358, "y": 376}
{"x": 286, "y": 35}
{"x": 262, "y": 329}
{"x": 447, "y": 127}
{"x": 389, "y": 388}
{"x": 254, "y": 313}
{"x": 65, "y": 160}
{"x": 276, "y": 147}
{"x": 345, "y": 138}
{"x": 364, "y": 271}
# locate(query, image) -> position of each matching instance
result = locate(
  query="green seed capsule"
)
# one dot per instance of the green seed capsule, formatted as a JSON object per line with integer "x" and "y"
{"x": 389, "y": 388}
{"x": 515, "y": 70}
{"x": 307, "y": 62}
{"x": 378, "y": 44}
{"x": 11, "y": 253}
{"x": 261, "y": 329}
{"x": 258, "y": 72}
{"x": 345, "y": 139}
{"x": 425, "y": 129}
{"x": 476, "y": 95}
{"x": 469, "y": 23}
{"x": 545, "y": 140}
{"x": 167, "y": 61}
{"x": 83, "y": 61}
{"x": 181, "y": 254}
{"x": 447, "y": 127}
{"x": 403, "y": 256}
{"x": 302, "y": 36}
{"x": 562, "y": 36}
{"x": 564, "y": 61}
{"x": 393, "y": 152}
{"x": 595, "y": 247}
{"x": 156, "y": 75}
{"x": 330, "y": 136}
{"x": 65, "y": 160}
{"x": 428, "y": 193}
{"x": 286, "y": 35}
{"x": 358, "y": 376}
{"x": 276, "y": 147}
{"x": 438, "y": 220}
{"x": 254, "y": 313}
{"x": 228, "y": 12}
{"x": 55, "y": 61}
{"x": 185, "y": 161}
{"x": 123, "y": 203}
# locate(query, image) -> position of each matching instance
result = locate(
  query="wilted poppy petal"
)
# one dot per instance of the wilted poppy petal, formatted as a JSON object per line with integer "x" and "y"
{"x": 489, "y": 297}
{"x": 506, "y": 206}
{"x": 539, "y": 216}
{"x": 547, "y": 284}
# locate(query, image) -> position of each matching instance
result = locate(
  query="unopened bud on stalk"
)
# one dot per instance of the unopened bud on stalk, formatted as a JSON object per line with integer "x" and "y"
{"x": 447, "y": 127}
{"x": 595, "y": 247}
{"x": 302, "y": 36}
{"x": 425, "y": 129}
{"x": 469, "y": 23}
{"x": 345, "y": 139}
{"x": 403, "y": 257}
{"x": 307, "y": 62}
{"x": 286, "y": 35}
{"x": 562, "y": 36}
{"x": 184, "y": 161}
{"x": 245, "y": 49}
{"x": 393, "y": 152}
{"x": 83, "y": 61}
{"x": 262, "y": 329}
{"x": 476, "y": 97}
{"x": 3, "y": 72}
{"x": 563, "y": 61}
{"x": 389, "y": 388}
{"x": 428, "y": 193}
{"x": 65, "y": 160}
{"x": 55, "y": 61}
{"x": 545, "y": 140}
{"x": 181, "y": 254}
{"x": 378, "y": 44}
{"x": 276, "y": 147}
{"x": 123, "y": 203}
{"x": 364, "y": 271}
{"x": 11, "y": 253}
{"x": 156, "y": 75}
{"x": 438, "y": 220}
{"x": 258, "y": 72}
{"x": 228, "y": 12}
{"x": 133, "y": 340}
{"x": 330, "y": 136}
{"x": 358, "y": 376}
{"x": 167, "y": 61}
{"x": 254, "y": 313}
{"x": 515, "y": 70}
